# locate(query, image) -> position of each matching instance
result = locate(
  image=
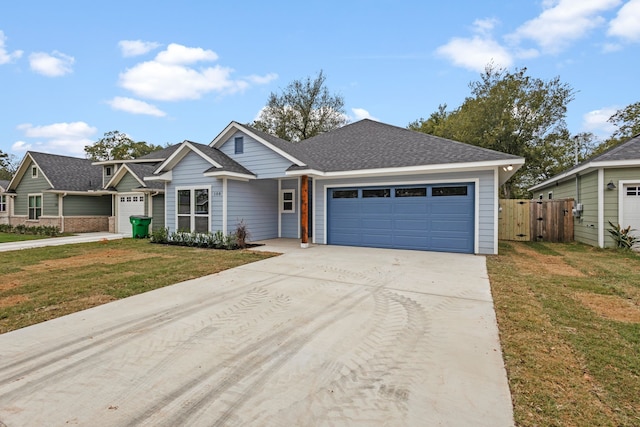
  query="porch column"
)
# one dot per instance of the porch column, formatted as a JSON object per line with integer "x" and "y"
{"x": 304, "y": 211}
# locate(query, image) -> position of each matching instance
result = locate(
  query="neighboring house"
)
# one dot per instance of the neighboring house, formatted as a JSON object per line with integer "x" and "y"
{"x": 365, "y": 184}
{"x": 60, "y": 191}
{"x": 131, "y": 194}
{"x": 4, "y": 202}
{"x": 605, "y": 188}
{"x": 77, "y": 195}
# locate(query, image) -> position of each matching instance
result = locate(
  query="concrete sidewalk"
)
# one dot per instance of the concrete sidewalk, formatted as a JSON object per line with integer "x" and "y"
{"x": 57, "y": 241}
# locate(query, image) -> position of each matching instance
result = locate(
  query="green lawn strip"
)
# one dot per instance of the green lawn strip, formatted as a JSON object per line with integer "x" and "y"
{"x": 13, "y": 237}
{"x": 51, "y": 282}
{"x": 567, "y": 365}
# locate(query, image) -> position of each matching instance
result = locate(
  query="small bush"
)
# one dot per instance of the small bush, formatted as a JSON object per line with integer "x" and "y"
{"x": 622, "y": 236}
{"x": 40, "y": 230}
{"x": 215, "y": 240}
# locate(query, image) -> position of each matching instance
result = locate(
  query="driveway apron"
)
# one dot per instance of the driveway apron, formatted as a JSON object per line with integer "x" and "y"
{"x": 325, "y": 336}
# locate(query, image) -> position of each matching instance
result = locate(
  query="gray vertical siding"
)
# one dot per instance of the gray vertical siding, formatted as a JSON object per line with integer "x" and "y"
{"x": 157, "y": 221}
{"x": 289, "y": 221}
{"x": 86, "y": 206}
{"x": 127, "y": 183}
{"x": 256, "y": 157}
{"x": 487, "y": 194}
{"x": 256, "y": 203}
{"x": 188, "y": 173}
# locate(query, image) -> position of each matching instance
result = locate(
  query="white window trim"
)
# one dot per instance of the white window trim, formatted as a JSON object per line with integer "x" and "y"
{"x": 293, "y": 201}
{"x": 192, "y": 208}
{"x": 550, "y": 195}
{"x": 41, "y": 205}
{"x": 4, "y": 205}
{"x": 34, "y": 169}
{"x": 108, "y": 171}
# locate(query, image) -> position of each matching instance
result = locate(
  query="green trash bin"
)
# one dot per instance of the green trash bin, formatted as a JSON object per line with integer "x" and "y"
{"x": 140, "y": 226}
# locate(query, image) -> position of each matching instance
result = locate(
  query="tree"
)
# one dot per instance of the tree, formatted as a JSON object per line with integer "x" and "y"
{"x": 8, "y": 165}
{"x": 303, "y": 110}
{"x": 627, "y": 121}
{"x": 516, "y": 114}
{"x": 118, "y": 146}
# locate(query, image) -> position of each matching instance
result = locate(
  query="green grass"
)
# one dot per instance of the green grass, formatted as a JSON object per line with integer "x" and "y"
{"x": 44, "y": 283}
{"x": 13, "y": 237}
{"x": 572, "y": 357}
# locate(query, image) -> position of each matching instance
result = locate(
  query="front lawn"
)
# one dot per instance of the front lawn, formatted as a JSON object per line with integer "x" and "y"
{"x": 569, "y": 320}
{"x": 13, "y": 237}
{"x": 45, "y": 283}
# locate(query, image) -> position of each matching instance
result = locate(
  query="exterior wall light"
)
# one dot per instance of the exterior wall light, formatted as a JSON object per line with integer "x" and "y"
{"x": 611, "y": 186}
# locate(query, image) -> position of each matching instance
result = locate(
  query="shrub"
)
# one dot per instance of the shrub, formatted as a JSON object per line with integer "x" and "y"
{"x": 242, "y": 234}
{"x": 215, "y": 240}
{"x": 622, "y": 236}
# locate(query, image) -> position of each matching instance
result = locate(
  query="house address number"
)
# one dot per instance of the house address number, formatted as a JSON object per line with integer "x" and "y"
{"x": 217, "y": 193}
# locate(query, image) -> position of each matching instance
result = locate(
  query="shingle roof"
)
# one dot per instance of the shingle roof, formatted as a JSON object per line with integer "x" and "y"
{"x": 3, "y": 184}
{"x": 626, "y": 151}
{"x": 69, "y": 173}
{"x": 368, "y": 144}
{"x": 227, "y": 163}
{"x": 161, "y": 154}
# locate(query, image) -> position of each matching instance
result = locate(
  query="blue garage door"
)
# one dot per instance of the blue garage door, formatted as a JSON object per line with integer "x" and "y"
{"x": 436, "y": 217}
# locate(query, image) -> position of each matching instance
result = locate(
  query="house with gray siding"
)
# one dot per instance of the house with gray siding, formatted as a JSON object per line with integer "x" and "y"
{"x": 78, "y": 195}
{"x": 605, "y": 188}
{"x": 365, "y": 184}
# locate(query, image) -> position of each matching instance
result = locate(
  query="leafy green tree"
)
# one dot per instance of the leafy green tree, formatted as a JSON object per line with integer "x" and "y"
{"x": 304, "y": 109}
{"x": 116, "y": 145}
{"x": 627, "y": 121}
{"x": 8, "y": 165}
{"x": 516, "y": 114}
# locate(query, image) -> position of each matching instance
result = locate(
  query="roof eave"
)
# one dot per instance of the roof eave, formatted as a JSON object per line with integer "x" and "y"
{"x": 583, "y": 169}
{"x": 231, "y": 175}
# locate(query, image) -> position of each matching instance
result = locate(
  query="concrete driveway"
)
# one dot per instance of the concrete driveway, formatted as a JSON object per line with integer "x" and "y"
{"x": 333, "y": 336}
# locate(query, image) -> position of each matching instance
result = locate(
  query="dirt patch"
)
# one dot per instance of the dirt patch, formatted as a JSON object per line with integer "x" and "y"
{"x": 611, "y": 307}
{"x": 537, "y": 262}
{"x": 9, "y": 282}
{"x": 12, "y": 300}
{"x": 110, "y": 256}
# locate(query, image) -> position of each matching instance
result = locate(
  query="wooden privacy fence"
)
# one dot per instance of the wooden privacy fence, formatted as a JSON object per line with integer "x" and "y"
{"x": 536, "y": 220}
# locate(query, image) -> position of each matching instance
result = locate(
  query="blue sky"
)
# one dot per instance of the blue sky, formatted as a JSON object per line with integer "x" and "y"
{"x": 166, "y": 71}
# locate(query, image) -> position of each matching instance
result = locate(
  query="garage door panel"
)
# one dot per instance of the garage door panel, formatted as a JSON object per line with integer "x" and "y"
{"x": 415, "y": 220}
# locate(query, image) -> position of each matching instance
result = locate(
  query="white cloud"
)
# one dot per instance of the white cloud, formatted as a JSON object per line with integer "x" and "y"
{"x": 596, "y": 121}
{"x": 168, "y": 78}
{"x": 563, "y": 22}
{"x": 5, "y": 55}
{"x": 57, "y": 138}
{"x": 361, "y": 113}
{"x": 177, "y": 54}
{"x": 626, "y": 24}
{"x": 136, "y": 47}
{"x": 51, "y": 65}
{"x": 475, "y": 53}
{"x": 135, "y": 106}
{"x": 262, "y": 80}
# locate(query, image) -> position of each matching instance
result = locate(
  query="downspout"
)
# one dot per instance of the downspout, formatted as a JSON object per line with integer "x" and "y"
{"x": 61, "y": 210}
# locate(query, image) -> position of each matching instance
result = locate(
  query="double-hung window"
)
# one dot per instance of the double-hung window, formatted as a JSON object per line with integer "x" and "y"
{"x": 3, "y": 203}
{"x": 35, "y": 206}
{"x": 288, "y": 201}
{"x": 193, "y": 210}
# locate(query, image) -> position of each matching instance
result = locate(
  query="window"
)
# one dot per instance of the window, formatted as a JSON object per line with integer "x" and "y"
{"x": 345, "y": 194}
{"x": 34, "y": 171}
{"x": 108, "y": 171}
{"x": 449, "y": 191}
{"x": 550, "y": 195}
{"x": 633, "y": 191}
{"x": 411, "y": 192}
{"x": 239, "y": 145}
{"x": 288, "y": 201}
{"x": 35, "y": 206}
{"x": 193, "y": 210}
{"x": 3, "y": 203}
{"x": 382, "y": 192}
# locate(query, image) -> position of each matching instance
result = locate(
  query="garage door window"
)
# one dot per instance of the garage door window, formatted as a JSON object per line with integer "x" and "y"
{"x": 411, "y": 192}
{"x": 633, "y": 191}
{"x": 193, "y": 210}
{"x": 345, "y": 194}
{"x": 381, "y": 192}
{"x": 449, "y": 191}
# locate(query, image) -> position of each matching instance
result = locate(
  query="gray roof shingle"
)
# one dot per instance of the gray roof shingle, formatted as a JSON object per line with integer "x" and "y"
{"x": 161, "y": 154}
{"x": 3, "y": 184}
{"x": 145, "y": 169}
{"x": 368, "y": 144}
{"x": 69, "y": 173}
{"x": 629, "y": 150}
{"x": 227, "y": 163}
